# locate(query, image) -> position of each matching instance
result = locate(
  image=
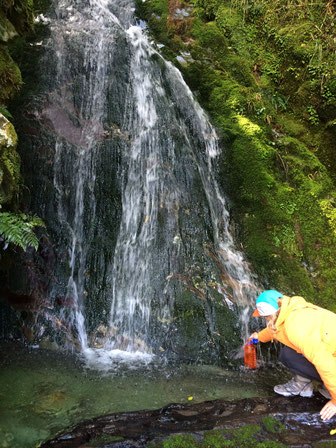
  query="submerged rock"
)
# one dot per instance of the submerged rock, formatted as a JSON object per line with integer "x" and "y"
{"x": 284, "y": 421}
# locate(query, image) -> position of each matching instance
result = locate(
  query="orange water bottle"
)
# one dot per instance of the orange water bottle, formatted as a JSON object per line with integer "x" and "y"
{"x": 250, "y": 353}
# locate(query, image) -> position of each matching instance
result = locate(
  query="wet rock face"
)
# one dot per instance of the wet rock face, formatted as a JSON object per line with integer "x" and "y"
{"x": 121, "y": 163}
{"x": 60, "y": 116}
{"x": 288, "y": 421}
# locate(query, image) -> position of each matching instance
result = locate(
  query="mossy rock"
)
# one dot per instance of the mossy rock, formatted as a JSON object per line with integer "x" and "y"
{"x": 272, "y": 425}
{"x": 10, "y": 77}
{"x": 21, "y": 15}
{"x": 196, "y": 339}
{"x": 9, "y": 161}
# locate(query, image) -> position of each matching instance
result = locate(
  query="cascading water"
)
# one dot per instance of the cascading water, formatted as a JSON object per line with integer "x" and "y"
{"x": 133, "y": 199}
{"x": 97, "y": 18}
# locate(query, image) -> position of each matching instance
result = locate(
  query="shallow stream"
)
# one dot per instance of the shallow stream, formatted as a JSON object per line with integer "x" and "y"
{"x": 44, "y": 392}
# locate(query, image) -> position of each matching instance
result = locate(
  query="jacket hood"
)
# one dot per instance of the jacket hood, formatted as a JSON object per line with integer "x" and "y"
{"x": 290, "y": 304}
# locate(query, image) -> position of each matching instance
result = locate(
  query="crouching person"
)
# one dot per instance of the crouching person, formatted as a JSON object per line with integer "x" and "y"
{"x": 308, "y": 333}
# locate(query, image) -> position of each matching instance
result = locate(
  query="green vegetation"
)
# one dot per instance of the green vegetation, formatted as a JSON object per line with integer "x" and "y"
{"x": 17, "y": 229}
{"x": 10, "y": 78}
{"x": 249, "y": 436}
{"x": 266, "y": 75}
{"x": 272, "y": 425}
{"x": 16, "y": 20}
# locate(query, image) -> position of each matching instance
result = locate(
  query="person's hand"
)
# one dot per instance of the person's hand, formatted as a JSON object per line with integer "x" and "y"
{"x": 328, "y": 411}
{"x": 254, "y": 335}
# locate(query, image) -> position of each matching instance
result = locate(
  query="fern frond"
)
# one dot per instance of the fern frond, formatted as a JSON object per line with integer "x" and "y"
{"x": 5, "y": 113}
{"x": 19, "y": 229}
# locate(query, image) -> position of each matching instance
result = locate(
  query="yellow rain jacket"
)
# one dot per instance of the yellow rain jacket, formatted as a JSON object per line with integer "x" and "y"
{"x": 311, "y": 331}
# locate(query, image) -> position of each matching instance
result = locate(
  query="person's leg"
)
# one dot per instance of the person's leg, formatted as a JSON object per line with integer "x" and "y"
{"x": 298, "y": 364}
{"x": 304, "y": 371}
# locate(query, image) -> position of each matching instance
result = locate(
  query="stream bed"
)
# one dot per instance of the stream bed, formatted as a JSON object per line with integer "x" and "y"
{"x": 44, "y": 392}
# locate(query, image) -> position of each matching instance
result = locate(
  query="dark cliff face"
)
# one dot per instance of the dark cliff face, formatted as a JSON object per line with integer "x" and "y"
{"x": 120, "y": 162}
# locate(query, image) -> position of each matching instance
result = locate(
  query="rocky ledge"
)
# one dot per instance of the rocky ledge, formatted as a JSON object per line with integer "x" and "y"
{"x": 254, "y": 422}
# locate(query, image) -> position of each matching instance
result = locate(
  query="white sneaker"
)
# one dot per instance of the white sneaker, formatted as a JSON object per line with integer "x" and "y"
{"x": 296, "y": 386}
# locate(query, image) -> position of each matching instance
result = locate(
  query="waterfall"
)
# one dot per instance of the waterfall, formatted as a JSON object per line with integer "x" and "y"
{"x": 135, "y": 205}
{"x": 97, "y": 19}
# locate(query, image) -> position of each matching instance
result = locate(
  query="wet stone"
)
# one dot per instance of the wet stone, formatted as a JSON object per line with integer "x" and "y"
{"x": 301, "y": 429}
{"x": 226, "y": 413}
{"x": 187, "y": 413}
{"x": 260, "y": 408}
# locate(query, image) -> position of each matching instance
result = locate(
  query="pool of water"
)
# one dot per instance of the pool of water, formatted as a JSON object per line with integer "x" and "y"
{"x": 44, "y": 392}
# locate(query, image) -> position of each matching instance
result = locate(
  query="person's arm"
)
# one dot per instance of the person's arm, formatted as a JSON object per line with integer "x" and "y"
{"x": 325, "y": 364}
{"x": 264, "y": 335}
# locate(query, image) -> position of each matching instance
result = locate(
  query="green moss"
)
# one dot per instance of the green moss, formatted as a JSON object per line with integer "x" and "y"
{"x": 16, "y": 19}
{"x": 248, "y": 436}
{"x": 328, "y": 208}
{"x": 211, "y": 38}
{"x": 21, "y": 15}
{"x": 292, "y": 126}
{"x": 9, "y": 162}
{"x": 156, "y": 14}
{"x": 272, "y": 425}
{"x": 215, "y": 439}
{"x": 180, "y": 441}
{"x": 248, "y": 128}
{"x": 206, "y": 9}
{"x": 10, "y": 78}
